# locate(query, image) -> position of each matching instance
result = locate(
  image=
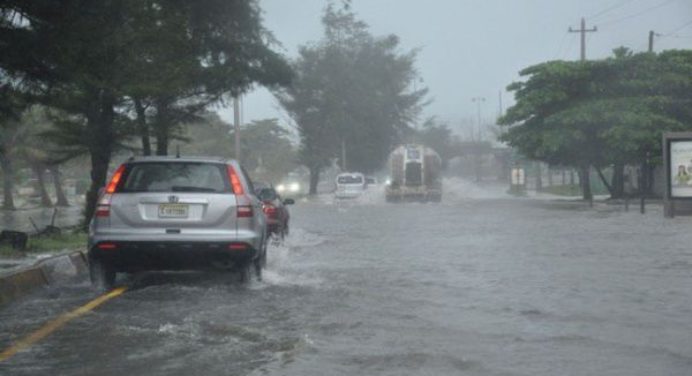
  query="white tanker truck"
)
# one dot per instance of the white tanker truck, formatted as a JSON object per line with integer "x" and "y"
{"x": 415, "y": 174}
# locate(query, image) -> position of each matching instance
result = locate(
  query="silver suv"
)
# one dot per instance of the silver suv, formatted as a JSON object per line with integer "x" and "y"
{"x": 166, "y": 213}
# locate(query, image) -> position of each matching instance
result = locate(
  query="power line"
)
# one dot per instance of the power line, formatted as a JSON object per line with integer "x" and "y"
{"x": 569, "y": 49}
{"x": 558, "y": 54}
{"x": 647, "y": 10}
{"x": 618, "y": 5}
{"x": 677, "y": 29}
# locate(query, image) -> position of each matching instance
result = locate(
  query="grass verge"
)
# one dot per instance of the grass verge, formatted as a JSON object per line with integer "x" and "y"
{"x": 67, "y": 240}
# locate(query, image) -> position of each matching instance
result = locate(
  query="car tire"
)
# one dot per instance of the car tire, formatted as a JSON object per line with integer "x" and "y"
{"x": 263, "y": 257}
{"x": 245, "y": 272}
{"x": 102, "y": 274}
{"x": 260, "y": 262}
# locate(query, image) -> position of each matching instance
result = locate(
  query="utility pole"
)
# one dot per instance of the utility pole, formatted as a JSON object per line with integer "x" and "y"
{"x": 651, "y": 41}
{"x": 583, "y": 30}
{"x": 584, "y": 178}
{"x": 343, "y": 156}
{"x": 236, "y": 123}
{"x": 478, "y": 100}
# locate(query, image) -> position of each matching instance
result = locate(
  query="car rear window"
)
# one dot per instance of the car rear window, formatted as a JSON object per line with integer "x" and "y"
{"x": 176, "y": 177}
{"x": 350, "y": 179}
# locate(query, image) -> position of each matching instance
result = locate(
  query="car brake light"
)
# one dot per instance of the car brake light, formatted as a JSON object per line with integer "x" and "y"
{"x": 107, "y": 246}
{"x": 269, "y": 210}
{"x": 235, "y": 180}
{"x": 103, "y": 207}
{"x": 115, "y": 179}
{"x": 237, "y": 246}
{"x": 244, "y": 211}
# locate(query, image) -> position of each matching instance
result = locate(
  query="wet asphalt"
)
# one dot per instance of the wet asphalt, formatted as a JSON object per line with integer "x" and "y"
{"x": 481, "y": 284}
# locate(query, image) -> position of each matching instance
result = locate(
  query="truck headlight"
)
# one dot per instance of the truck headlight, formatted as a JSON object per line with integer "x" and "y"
{"x": 281, "y": 188}
{"x": 294, "y": 187}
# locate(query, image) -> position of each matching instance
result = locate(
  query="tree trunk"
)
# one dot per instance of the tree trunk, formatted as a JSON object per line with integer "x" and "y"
{"x": 314, "y": 180}
{"x": 585, "y": 182}
{"x": 162, "y": 127}
{"x": 550, "y": 176}
{"x": 38, "y": 169}
{"x": 605, "y": 181}
{"x": 571, "y": 176}
{"x": 650, "y": 180}
{"x": 564, "y": 177}
{"x": 100, "y": 124}
{"x": 143, "y": 127}
{"x": 618, "y": 181}
{"x": 539, "y": 176}
{"x": 8, "y": 184}
{"x": 57, "y": 183}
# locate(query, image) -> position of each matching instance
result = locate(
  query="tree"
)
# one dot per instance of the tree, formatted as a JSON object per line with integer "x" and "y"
{"x": 601, "y": 113}
{"x": 187, "y": 55}
{"x": 439, "y": 137}
{"x": 12, "y": 103}
{"x": 351, "y": 96}
{"x": 93, "y": 59}
{"x": 266, "y": 151}
{"x": 41, "y": 153}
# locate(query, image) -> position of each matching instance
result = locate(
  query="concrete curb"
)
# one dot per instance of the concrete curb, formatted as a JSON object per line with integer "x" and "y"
{"x": 52, "y": 270}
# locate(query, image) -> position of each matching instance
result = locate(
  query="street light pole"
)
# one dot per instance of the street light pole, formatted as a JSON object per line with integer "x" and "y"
{"x": 236, "y": 123}
{"x": 478, "y": 101}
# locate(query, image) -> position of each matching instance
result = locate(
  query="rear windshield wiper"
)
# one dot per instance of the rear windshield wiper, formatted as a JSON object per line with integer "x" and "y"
{"x": 182, "y": 188}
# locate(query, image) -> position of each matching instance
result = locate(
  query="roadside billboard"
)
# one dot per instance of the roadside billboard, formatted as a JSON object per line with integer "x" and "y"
{"x": 518, "y": 176}
{"x": 680, "y": 168}
{"x": 677, "y": 162}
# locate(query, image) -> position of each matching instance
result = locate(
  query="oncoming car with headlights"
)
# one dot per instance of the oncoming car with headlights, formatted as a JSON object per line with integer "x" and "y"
{"x": 294, "y": 184}
{"x": 293, "y": 187}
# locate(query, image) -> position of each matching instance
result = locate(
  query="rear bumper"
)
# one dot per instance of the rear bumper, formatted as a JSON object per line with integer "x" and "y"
{"x": 133, "y": 256}
{"x": 413, "y": 194}
{"x": 274, "y": 228}
{"x": 348, "y": 194}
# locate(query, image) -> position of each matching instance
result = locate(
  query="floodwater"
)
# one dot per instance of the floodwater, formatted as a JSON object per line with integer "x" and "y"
{"x": 481, "y": 284}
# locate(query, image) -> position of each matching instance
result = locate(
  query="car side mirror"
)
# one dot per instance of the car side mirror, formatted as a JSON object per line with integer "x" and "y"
{"x": 289, "y": 201}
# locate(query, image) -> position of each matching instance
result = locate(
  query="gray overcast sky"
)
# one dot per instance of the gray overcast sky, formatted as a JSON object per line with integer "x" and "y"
{"x": 473, "y": 48}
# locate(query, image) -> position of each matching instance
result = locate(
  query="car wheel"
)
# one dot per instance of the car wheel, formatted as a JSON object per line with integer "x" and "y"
{"x": 245, "y": 272}
{"x": 260, "y": 262}
{"x": 257, "y": 263}
{"x": 102, "y": 274}
{"x": 263, "y": 256}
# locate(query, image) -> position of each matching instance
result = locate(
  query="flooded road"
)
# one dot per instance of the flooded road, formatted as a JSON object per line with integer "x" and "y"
{"x": 472, "y": 286}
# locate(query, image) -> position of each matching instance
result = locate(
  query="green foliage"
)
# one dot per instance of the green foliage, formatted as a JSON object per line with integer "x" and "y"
{"x": 66, "y": 241}
{"x": 351, "y": 89}
{"x": 266, "y": 150}
{"x": 600, "y": 113}
{"x": 438, "y": 136}
{"x": 94, "y": 60}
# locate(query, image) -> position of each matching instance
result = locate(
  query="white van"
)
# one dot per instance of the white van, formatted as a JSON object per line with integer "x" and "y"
{"x": 349, "y": 185}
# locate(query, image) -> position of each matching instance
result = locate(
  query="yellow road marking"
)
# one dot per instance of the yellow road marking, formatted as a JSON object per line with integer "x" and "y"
{"x": 58, "y": 323}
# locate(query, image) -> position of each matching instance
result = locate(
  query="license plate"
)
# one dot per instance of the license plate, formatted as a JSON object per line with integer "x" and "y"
{"x": 173, "y": 211}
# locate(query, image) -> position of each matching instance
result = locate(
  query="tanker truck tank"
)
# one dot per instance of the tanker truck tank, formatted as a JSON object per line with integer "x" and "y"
{"x": 415, "y": 174}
